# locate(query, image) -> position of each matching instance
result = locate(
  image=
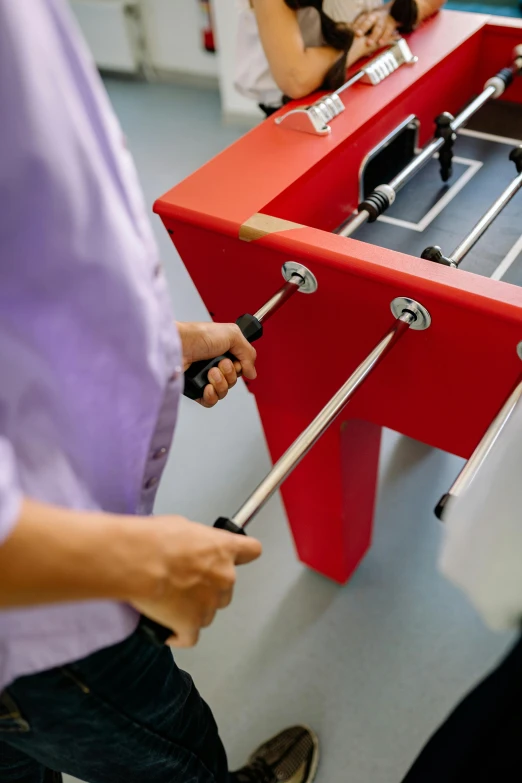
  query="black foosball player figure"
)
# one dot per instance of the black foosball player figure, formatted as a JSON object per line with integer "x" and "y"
{"x": 446, "y": 132}
{"x": 288, "y": 49}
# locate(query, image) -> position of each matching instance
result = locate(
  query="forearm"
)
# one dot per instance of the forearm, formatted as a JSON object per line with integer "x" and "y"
{"x": 305, "y": 73}
{"x": 309, "y": 76}
{"x": 427, "y": 8}
{"x": 297, "y": 70}
{"x": 55, "y": 555}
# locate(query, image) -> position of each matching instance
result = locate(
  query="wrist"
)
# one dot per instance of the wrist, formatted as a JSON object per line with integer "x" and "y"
{"x": 192, "y": 336}
{"x": 357, "y": 51}
{"x": 139, "y": 554}
{"x": 183, "y": 333}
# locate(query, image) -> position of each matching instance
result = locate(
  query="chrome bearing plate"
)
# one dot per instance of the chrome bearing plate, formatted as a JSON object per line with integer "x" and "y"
{"x": 292, "y": 268}
{"x": 422, "y": 316}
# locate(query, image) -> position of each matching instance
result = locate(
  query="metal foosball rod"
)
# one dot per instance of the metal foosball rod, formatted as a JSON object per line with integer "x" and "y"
{"x": 293, "y": 456}
{"x": 384, "y": 195}
{"x": 472, "y": 467}
{"x": 409, "y": 314}
{"x": 298, "y": 278}
{"x": 435, "y": 253}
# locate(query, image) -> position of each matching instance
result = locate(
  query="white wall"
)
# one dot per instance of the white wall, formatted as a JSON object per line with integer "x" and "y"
{"x": 173, "y": 31}
{"x": 173, "y": 37}
{"x": 234, "y": 105}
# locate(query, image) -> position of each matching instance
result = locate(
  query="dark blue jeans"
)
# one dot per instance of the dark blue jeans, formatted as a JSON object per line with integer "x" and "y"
{"x": 123, "y": 715}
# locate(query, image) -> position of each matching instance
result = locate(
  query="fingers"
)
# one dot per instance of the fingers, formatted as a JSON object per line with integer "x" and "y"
{"x": 377, "y": 30}
{"x": 364, "y": 24}
{"x": 379, "y": 27}
{"x": 222, "y": 378}
{"x": 225, "y": 598}
{"x": 243, "y": 351}
{"x": 188, "y": 637}
{"x": 201, "y": 615}
{"x": 209, "y": 398}
{"x": 390, "y": 32}
{"x": 199, "y": 612}
{"x": 218, "y": 381}
{"x": 229, "y": 372}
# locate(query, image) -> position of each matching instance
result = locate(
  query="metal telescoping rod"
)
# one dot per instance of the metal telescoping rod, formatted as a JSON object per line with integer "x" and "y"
{"x": 293, "y": 456}
{"x": 280, "y": 298}
{"x": 418, "y": 162}
{"x": 473, "y": 465}
{"x": 354, "y": 79}
{"x": 485, "y": 221}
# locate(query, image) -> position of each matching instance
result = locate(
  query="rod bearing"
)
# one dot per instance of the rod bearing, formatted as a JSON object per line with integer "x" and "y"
{"x": 422, "y": 316}
{"x": 309, "y": 284}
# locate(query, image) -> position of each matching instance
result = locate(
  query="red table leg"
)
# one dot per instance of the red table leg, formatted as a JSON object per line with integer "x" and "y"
{"x": 330, "y": 497}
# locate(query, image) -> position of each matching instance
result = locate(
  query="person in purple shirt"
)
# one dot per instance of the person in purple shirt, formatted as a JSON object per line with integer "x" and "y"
{"x": 91, "y": 366}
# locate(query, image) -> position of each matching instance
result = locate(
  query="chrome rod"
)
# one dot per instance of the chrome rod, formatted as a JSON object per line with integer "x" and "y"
{"x": 350, "y": 226}
{"x": 353, "y": 223}
{"x": 418, "y": 163}
{"x": 293, "y": 456}
{"x": 472, "y": 108}
{"x": 278, "y": 299}
{"x": 435, "y": 144}
{"x": 485, "y": 221}
{"x": 470, "y": 470}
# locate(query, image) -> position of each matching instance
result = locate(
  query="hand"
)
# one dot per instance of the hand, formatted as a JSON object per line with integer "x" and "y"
{"x": 378, "y": 26}
{"x": 361, "y": 47}
{"x": 209, "y": 340}
{"x": 190, "y": 574}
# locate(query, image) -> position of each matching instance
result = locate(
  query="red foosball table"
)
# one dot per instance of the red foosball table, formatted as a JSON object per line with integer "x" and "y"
{"x": 295, "y": 190}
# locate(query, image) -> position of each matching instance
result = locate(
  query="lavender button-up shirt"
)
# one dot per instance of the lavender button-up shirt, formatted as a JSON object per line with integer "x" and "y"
{"x": 89, "y": 355}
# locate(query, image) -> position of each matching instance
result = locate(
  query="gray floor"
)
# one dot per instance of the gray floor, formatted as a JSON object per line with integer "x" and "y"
{"x": 374, "y": 666}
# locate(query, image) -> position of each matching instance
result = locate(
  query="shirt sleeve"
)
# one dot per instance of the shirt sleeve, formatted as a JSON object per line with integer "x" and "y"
{"x": 482, "y": 550}
{"x": 10, "y": 493}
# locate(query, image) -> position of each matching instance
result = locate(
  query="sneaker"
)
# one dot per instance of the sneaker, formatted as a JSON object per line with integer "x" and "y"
{"x": 290, "y": 757}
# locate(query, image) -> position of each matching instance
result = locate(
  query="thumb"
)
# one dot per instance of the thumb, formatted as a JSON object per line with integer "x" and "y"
{"x": 246, "y": 549}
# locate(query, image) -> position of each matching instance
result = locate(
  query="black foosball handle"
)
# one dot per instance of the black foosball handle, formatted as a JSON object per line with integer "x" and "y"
{"x": 441, "y": 506}
{"x": 158, "y": 634}
{"x": 196, "y": 377}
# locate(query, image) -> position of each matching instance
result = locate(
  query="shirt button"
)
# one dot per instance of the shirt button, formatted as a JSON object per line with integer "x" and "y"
{"x": 175, "y": 375}
{"x": 157, "y": 270}
{"x": 151, "y": 482}
{"x": 159, "y": 453}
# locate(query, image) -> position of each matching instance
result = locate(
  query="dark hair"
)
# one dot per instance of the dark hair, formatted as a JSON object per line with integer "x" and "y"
{"x": 406, "y": 14}
{"x": 340, "y": 37}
